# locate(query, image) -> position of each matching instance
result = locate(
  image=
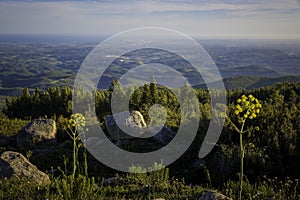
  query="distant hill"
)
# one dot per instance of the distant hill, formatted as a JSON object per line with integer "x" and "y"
{"x": 250, "y": 82}
{"x": 250, "y": 70}
{"x": 41, "y": 65}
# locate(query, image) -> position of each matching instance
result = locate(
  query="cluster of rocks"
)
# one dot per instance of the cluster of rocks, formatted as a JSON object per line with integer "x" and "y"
{"x": 40, "y": 136}
{"x": 36, "y": 134}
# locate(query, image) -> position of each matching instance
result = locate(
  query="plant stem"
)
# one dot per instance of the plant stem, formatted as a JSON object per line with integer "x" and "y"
{"x": 241, "y": 166}
{"x": 85, "y": 157}
{"x": 74, "y": 154}
{"x": 242, "y": 161}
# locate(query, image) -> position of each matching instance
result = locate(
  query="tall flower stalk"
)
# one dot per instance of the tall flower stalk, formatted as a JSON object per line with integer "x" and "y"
{"x": 247, "y": 108}
{"x": 76, "y": 131}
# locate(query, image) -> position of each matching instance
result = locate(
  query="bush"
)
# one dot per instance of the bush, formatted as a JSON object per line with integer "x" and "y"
{"x": 10, "y": 127}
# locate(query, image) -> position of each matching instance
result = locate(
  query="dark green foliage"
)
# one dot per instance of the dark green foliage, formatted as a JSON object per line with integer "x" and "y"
{"x": 53, "y": 101}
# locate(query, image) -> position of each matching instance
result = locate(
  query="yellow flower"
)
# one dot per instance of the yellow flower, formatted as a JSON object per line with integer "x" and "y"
{"x": 77, "y": 120}
{"x": 251, "y": 145}
{"x": 250, "y": 96}
{"x": 239, "y": 101}
{"x": 256, "y": 128}
{"x": 247, "y": 103}
{"x": 237, "y": 112}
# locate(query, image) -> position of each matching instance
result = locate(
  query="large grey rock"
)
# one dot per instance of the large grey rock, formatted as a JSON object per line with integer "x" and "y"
{"x": 164, "y": 136}
{"x": 134, "y": 122}
{"x": 214, "y": 196}
{"x": 37, "y": 132}
{"x": 15, "y": 165}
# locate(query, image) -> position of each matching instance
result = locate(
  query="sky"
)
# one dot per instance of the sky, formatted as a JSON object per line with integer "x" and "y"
{"x": 271, "y": 19}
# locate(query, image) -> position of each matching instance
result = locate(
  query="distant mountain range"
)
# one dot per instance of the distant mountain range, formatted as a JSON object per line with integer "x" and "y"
{"x": 250, "y": 82}
{"x": 36, "y": 65}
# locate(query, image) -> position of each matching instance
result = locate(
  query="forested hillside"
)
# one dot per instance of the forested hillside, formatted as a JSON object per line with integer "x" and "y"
{"x": 275, "y": 154}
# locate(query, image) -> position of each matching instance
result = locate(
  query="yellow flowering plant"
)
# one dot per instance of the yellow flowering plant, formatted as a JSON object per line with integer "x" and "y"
{"x": 247, "y": 108}
{"x": 76, "y": 130}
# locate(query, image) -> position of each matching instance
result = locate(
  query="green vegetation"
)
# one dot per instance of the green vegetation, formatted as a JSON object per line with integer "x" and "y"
{"x": 10, "y": 127}
{"x": 131, "y": 186}
{"x": 267, "y": 174}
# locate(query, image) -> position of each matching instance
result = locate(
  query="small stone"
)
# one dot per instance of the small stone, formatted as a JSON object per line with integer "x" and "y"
{"x": 214, "y": 196}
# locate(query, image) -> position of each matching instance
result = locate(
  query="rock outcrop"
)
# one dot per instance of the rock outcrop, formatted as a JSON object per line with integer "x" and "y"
{"x": 37, "y": 132}
{"x": 15, "y": 165}
{"x": 133, "y": 122}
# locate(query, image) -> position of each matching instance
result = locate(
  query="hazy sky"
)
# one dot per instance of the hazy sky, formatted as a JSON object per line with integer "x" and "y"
{"x": 209, "y": 18}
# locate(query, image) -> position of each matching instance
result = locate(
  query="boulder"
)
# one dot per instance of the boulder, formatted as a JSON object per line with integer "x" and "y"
{"x": 214, "y": 196}
{"x": 15, "y": 165}
{"x": 38, "y": 132}
{"x": 164, "y": 136}
{"x": 7, "y": 141}
{"x": 134, "y": 122}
